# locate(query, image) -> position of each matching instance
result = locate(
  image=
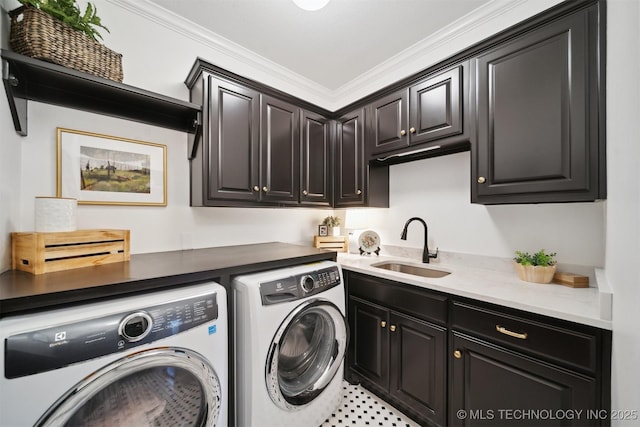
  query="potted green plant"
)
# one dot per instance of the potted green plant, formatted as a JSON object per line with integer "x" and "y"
{"x": 68, "y": 12}
{"x": 333, "y": 223}
{"x": 537, "y": 268}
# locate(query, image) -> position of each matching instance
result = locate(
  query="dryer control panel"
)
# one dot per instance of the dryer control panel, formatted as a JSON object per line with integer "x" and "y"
{"x": 299, "y": 286}
{"x": 52, "y": 348}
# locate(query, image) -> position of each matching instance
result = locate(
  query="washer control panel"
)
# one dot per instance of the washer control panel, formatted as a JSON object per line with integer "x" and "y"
{"x": 299, "y": 286}
{"x": 52, "y": 348}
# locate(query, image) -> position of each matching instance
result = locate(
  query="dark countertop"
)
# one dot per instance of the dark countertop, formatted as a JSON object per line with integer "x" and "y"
{"x": 22, "y": 292}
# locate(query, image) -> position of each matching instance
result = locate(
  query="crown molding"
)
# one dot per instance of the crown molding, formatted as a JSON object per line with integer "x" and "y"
{"x": 230, "y": 52}
{"x": 475, "y": 26}
{"x": 471, "y": 28}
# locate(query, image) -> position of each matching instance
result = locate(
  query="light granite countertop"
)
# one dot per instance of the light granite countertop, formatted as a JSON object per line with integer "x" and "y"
{"x": 496, "y": 282}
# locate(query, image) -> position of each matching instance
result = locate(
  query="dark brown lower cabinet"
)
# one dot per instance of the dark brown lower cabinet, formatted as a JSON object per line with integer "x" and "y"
{"x": 401, "y": 357}
{"x": 445, "y": 360}
{"x": 493, "y": 386}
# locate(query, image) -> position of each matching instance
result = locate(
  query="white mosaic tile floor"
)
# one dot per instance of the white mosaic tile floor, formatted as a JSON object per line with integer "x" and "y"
{"x": 360, "y": 408}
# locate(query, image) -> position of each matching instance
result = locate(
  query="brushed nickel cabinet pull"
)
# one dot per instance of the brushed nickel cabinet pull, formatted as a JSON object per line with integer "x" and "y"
{"x": 505, "y": 331}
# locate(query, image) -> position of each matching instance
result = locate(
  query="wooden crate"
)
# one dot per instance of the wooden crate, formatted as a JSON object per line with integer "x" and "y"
{"x": 334, "y": 243}
{"x": 39, "y": 253}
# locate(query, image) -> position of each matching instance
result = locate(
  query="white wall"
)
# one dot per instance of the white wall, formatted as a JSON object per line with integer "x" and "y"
{"x": 438, "y": 191}
{"x": 623, "y": 204}
{"x": 10, "y": 172}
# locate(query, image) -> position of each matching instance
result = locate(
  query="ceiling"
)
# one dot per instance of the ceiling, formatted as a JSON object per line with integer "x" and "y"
{"x": 332, "y": 46}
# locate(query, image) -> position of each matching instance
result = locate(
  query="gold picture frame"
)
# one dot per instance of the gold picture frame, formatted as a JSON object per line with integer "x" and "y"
{"x": 101, "y": 169}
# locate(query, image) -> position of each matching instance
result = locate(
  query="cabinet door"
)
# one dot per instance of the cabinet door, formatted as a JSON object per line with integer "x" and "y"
{"x": 279, "y": 151}
{"x": 537, "y": 118}
{"x": 315, "y": 182}
{"x": 350, "y": 167}
{"x": 491, "y": 386}
{"x": 418, "y": 366}
{"x": 234, "y": 132}
{"x": 388, "y": 123}
{"x": 436, "y": 107}
{"x": 369, "y": 342}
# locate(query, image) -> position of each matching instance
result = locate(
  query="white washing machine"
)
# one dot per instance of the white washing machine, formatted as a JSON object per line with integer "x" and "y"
{"x": 290, "y": 338}
{"x": 157, "y": 359}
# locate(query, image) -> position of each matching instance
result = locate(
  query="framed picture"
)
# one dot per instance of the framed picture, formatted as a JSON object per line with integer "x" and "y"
{"x": 107, "y": 170}
{"x": 323, "y": 230}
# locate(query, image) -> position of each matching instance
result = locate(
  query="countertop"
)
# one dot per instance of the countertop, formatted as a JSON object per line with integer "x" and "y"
{"x": 581, "y": 305}
{"x": 20, "y": 291}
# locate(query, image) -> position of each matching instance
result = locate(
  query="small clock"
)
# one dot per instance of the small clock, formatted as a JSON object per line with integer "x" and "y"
{"x": 369, "y": 242}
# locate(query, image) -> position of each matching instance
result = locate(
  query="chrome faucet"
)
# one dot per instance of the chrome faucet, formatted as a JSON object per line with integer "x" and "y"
{"x": 426, "y": 255}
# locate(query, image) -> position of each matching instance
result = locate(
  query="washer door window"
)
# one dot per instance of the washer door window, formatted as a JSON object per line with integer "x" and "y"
{"x": 159, "y": 387}
{"x": 306, "y": 353}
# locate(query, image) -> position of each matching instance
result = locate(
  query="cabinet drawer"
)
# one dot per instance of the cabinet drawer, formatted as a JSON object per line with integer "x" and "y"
{"x": 565, "y": 346}
{"x": 400, "y": 297}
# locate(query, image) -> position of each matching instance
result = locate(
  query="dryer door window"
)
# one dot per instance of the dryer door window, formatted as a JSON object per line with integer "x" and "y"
{"x": 158, "y": 387}
{"x": 306, "y": 353}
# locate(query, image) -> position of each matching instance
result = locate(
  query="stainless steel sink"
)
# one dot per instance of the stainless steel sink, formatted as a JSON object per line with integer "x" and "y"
{"x": 416, "y": 270}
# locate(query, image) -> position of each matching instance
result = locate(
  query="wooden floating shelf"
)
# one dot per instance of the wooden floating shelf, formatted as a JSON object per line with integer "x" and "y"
{"x": 27, "y": 78}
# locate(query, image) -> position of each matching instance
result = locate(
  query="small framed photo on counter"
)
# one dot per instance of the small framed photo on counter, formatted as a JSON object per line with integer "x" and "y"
{"x": 323, "y": 230}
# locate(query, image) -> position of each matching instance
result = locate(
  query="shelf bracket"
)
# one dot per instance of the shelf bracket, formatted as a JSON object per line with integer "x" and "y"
{"x": 17, "y": 104}
{"x": 194, "y": 138}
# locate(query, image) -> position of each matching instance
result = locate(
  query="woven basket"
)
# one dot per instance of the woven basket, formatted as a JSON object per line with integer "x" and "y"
{"x": 39, "y": 35}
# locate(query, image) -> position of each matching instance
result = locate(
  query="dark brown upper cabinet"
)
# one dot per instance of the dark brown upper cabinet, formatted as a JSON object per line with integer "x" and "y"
{"x": 436, "y": 107}
{"x": 388, "y": 123}
{"x": 357, "y": 182}
{"x": 316, "y": 165}
{"x": 350, "y": 181}
{"x": 279, "y": 151}
{"x": 540, "y": 135}
{"x": 406, "y": 121}
{"x": 227, "y": 166}
{"x": 258, "y": 146}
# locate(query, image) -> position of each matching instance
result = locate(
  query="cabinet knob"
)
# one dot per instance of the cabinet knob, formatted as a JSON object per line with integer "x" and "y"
{"x": 358, "y": 192}
{"x": 265, "y": 189}
{"x": 383, "y": 324}
{"x": 305, "y": 192}
{"x": 392, "y": 328}
{"x": 482, "y": 180}
{"x": 412, "y": 130}
{"x": 457, "y": 354}
{"x": 403, "y": 132}
{"x": 256, "y": 188}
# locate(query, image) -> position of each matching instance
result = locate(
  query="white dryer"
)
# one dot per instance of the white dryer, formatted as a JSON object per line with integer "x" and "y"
{"x": 157, "y": 359}
{"x": 290, "y": 339}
